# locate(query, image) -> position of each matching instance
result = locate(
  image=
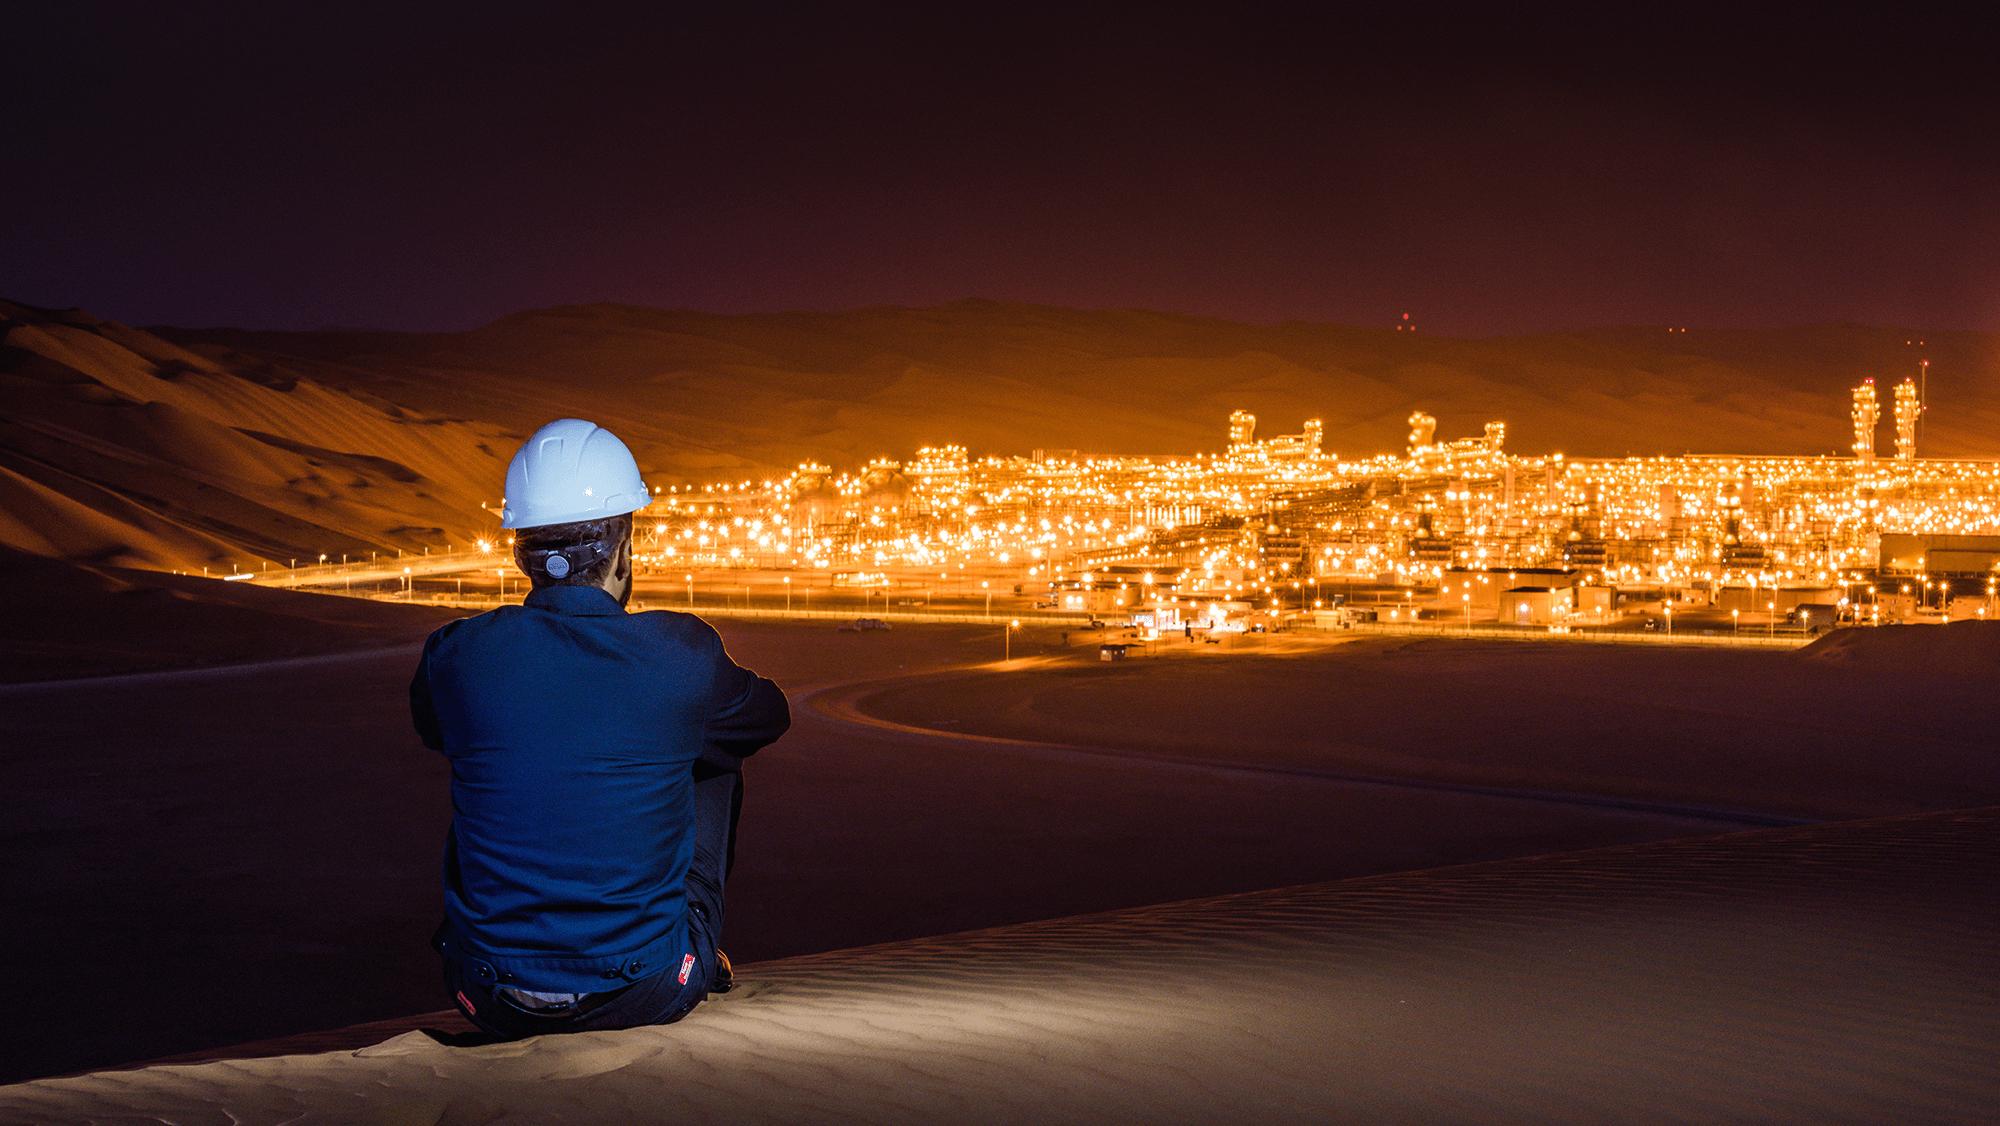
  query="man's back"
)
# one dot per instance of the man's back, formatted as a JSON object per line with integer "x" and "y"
{"x": 574, "y": 731}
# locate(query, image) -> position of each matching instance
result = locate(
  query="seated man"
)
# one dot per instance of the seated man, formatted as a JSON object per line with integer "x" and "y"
{"x": 595, "y": 759}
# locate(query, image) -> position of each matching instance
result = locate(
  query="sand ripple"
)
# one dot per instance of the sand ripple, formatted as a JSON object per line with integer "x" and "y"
{"x": 1833, "y": 973}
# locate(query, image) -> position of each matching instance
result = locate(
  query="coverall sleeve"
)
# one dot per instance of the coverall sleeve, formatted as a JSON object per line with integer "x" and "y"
{"x": 747, "y": 711}
{"x": 423, "y": 713}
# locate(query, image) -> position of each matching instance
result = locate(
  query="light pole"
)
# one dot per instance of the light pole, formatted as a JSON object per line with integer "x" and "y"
{"x": 1771, "y": 614}
{"x": 788, "y": 594}
{"x": 1008, "y": 649}
{"x": 1735, "y": 622}
{"x": 1668, "y": 609}
{"x": 989, "y": 599}
{"x": 690, "y": 582}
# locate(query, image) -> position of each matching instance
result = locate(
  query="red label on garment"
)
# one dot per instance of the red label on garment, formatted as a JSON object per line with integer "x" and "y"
{"x": 465, "y": 1004}
{"x": 687, "y": 963}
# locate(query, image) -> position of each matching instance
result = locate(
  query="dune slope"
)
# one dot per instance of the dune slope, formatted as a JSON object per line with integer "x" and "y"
{"x": 74, "y": 621}
{"x": 118, "y": 447}
{"x": 1824, "y": 974}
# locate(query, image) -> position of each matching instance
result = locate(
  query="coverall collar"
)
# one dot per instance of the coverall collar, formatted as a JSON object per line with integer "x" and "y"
{"x": 580, "y": 601}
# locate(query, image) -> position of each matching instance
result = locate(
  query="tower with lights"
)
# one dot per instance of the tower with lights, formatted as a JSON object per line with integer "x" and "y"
{"x": 1242, "y": 428}
{"x": 1423, "y": 432}
{"x": 1907, "y": 411}
{"x": 1866, "y": 413}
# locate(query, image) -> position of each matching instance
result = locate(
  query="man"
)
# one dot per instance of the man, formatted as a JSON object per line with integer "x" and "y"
{"x": 595, "y": 759}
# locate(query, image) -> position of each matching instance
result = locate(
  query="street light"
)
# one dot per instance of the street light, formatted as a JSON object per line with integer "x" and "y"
{"x": 989, "y": 599}
{"x": 788, "y": 594}
{"x": 1008, "y": 650}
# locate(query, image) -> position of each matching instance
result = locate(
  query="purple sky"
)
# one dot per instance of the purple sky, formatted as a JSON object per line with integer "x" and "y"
{"x": 247, "y": 165}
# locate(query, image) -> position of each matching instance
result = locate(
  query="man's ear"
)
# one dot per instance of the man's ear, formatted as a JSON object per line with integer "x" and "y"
{"x": 625, "y": 559}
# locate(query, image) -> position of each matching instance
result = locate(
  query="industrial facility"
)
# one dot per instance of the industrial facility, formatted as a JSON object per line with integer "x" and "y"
{"x": 1446, "y": 530}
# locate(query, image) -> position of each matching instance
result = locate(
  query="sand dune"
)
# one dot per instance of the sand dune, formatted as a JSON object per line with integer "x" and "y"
{"x": 119, "y": 447}
{"x": 1957, "y": 650}
{"x": 90, "y": 621}
{"x": 266, "y": 836}
{"x": 1826, "y": 974}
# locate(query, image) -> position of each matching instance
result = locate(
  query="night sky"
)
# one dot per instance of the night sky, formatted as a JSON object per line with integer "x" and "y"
{"x": 1487, "y": 172}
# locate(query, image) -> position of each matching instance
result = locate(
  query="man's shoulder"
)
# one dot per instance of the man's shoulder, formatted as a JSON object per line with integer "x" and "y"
{"x": 676, "y": 625}
{"x": 475, "y": 622}
{"x": 508, "y": 626}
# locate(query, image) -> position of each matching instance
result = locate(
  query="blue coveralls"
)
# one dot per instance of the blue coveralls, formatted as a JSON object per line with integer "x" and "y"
{"x": 595, "y": 759}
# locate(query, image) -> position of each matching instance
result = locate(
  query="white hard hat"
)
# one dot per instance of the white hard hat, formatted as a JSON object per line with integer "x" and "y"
{"x": 571, "y": 470}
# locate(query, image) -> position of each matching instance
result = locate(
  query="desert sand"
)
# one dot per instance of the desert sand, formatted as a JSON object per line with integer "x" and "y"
{"x": 1865, "y": 723}
{"x": 264, "y": 837}
{"x": 1837, "y": 973}
{"x": 94, "y": 620}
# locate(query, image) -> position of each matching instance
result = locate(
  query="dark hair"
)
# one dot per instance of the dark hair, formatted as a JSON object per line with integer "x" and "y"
{"x": 588, "y": 549}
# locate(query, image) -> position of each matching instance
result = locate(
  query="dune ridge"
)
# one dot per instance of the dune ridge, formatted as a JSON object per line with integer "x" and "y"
{"x": 1829, "y": 973}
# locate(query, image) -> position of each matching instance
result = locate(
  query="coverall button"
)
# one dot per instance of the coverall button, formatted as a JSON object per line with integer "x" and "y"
{"x": 610, "y": 973}
{"x": 637, "y": 966}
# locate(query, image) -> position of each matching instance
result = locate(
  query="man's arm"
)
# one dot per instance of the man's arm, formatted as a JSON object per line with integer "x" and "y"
{"x": 423, "y": 713}
{"x": 746, "y": 712}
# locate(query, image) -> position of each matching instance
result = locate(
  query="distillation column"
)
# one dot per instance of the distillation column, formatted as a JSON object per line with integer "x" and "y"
{"x": 1907, "y": 410}
{"x": 1423, "y": 432}
{"x": 1866, "y": 413}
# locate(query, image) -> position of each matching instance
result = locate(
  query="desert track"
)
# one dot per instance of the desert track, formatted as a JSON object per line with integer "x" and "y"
{"x": 846, "y": 704}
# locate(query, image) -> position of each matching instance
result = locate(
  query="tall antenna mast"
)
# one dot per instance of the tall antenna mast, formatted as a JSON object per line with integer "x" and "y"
{"x": 1923, "y": 395}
